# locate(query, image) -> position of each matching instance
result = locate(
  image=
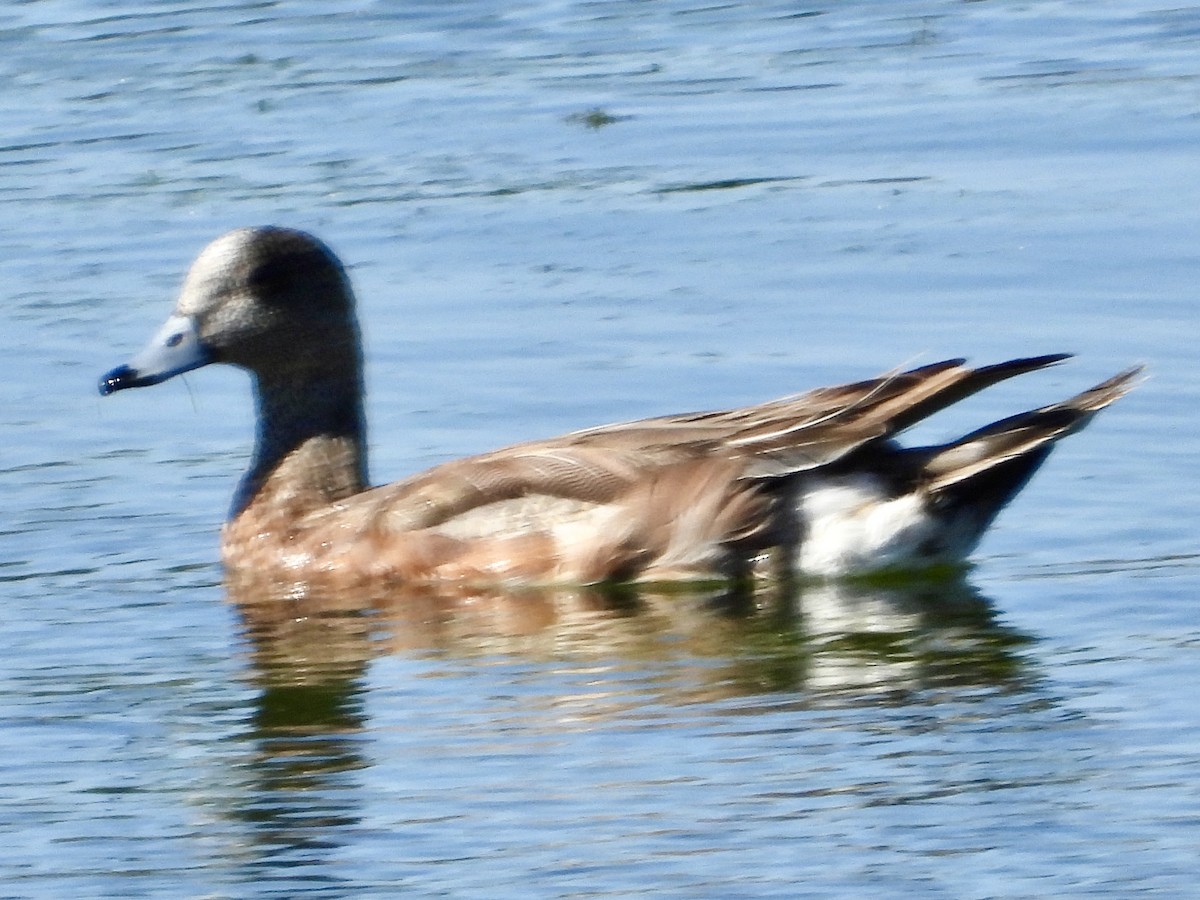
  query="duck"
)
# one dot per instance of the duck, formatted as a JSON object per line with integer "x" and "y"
{"x": 812, "y": 485}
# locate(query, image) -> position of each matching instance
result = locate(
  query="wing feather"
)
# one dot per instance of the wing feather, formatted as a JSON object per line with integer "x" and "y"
{"x": 773, "y": 439}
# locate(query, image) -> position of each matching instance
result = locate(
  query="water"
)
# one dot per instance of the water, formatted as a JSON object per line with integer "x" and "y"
{"x": 558, "y": 214}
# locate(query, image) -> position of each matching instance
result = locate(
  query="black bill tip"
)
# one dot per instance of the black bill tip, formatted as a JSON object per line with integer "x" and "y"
{"x": 119, "y": 378}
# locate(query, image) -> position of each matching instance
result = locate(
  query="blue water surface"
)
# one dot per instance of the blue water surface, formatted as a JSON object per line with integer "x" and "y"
{"x": 557, "y": 214}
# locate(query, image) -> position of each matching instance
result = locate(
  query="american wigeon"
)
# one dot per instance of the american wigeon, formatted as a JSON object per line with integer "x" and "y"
{"x": 810, "y": 484}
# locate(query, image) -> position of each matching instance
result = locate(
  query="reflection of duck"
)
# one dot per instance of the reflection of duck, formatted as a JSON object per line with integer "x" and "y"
{"x": 303, "y": 746}
{"x": 810, "y": 483}
{"x": 521, "y": 669}
{"x": 894, "y": 638}
{"x": 852, "y": 639}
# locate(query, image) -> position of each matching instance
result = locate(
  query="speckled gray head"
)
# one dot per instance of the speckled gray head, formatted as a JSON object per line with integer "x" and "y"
{"x": 250, "y": 299}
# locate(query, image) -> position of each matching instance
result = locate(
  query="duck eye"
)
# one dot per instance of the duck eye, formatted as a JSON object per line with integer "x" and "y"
{"x": 175, "y": 340}
{"x": 269, "y": 277}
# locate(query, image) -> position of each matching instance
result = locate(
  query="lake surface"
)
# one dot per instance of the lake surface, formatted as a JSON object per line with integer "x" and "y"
{"x": 558, "y": 214}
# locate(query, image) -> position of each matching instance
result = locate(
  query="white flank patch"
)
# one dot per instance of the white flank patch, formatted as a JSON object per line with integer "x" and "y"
{"x": 849, "y": 524}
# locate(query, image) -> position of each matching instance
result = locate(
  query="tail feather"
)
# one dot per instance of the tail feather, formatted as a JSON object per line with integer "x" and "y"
{"x": 990, "y": 465}
{"x": 967, "y": 382}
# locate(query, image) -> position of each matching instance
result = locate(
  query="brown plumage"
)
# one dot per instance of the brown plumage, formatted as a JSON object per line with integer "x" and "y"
{"x": 810, "y": 483}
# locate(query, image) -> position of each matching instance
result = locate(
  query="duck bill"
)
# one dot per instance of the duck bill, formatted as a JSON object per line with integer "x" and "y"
{"x": 174, "y": 349}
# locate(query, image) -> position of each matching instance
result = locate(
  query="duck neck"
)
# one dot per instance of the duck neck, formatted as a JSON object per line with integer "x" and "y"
{"x": 310, "y": 449}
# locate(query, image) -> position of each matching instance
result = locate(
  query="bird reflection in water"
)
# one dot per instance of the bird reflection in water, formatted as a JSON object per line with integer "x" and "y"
{"x": 872, "y": 638}
{"x": 749, "y": 648}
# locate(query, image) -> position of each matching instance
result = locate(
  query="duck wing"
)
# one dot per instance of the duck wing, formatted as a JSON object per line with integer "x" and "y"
{"x": 767, "y": 440}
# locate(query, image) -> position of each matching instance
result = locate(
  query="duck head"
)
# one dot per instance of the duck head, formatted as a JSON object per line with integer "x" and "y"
{"x": 272, "y": 300}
